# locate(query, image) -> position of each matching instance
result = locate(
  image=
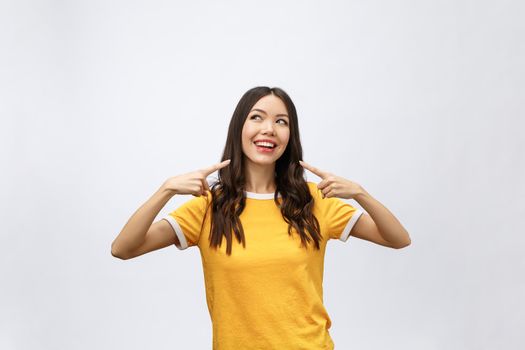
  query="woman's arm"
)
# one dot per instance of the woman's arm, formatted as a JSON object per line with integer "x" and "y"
{"x": 134, "y": 232}
{"x": 381, "y": 226}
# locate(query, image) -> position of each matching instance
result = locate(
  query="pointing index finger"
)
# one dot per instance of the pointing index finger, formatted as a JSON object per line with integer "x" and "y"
{"x": 313, "y": 169}
{"x": 216, "y": 167}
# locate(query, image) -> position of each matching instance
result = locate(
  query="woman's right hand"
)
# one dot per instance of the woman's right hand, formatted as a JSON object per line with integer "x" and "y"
{"x": 193, "y": 183}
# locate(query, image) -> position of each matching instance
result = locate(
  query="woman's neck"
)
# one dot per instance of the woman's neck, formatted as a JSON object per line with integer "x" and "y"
{"x": 260, "y": 178}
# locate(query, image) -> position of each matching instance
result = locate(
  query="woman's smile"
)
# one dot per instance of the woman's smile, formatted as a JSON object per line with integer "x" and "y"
{"x": 263, "y": 149}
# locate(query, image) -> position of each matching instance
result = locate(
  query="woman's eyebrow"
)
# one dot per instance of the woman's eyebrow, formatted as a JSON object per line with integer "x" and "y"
{"x": 260, "y": 110}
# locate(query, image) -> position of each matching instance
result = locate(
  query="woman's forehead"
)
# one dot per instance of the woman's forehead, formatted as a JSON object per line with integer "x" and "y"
{"x": 270, "y": 105}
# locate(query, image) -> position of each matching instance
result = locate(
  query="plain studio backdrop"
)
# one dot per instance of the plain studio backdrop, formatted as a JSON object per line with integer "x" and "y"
{"x": 420, "y": 102}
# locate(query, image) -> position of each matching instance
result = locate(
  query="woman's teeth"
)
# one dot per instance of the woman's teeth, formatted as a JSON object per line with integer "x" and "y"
{"x": 264, "y": 149}
{"x": 263, "y": 144}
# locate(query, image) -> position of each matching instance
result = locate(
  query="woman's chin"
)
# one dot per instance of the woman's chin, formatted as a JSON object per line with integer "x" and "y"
{"x": 263, "y": 160}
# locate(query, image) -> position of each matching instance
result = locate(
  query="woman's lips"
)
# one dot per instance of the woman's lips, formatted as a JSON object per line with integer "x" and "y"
{"x": 264, "y": 149}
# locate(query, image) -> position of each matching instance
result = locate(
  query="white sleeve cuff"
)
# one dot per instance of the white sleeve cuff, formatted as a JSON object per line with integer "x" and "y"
{"x": 346, "y": 232}
{"x": 178, "y": 231}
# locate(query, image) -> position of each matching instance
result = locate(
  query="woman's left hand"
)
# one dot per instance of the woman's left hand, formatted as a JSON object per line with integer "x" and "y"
{"x": 334, "y": 186}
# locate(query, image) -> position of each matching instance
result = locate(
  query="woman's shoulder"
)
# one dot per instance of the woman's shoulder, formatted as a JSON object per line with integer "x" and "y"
{"x": 314, "y": 191}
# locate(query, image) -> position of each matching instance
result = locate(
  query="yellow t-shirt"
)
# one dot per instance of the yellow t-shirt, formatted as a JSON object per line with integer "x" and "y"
{"x": 270, "y": 294}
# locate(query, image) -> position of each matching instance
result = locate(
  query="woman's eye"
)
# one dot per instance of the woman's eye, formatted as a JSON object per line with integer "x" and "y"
{"x": 256, "y": 115}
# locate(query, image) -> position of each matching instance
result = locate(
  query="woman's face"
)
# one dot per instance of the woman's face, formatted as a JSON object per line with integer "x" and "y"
{"x": 268, "y": 120}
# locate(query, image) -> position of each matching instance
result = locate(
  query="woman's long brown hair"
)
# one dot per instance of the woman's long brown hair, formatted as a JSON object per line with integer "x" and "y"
{"x": 228, "y": 198}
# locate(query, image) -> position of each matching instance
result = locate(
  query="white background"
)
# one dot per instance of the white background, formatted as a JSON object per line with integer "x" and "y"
{"x": 420, "y": 102}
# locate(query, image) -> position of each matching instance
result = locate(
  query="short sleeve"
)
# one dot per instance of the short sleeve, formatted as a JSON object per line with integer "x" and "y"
{"x": 340, "y": 217}
{"x": 187, "y": 220}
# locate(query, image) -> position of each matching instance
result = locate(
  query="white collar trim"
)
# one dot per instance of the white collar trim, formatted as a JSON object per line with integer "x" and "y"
{"x": 260, "y": 195}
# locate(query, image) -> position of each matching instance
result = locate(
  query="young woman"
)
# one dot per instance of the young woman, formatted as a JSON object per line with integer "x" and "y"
{"x": 261, "y": 229}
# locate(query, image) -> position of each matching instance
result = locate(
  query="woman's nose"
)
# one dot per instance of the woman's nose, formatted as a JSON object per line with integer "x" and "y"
{"x": 268, "y": 125}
